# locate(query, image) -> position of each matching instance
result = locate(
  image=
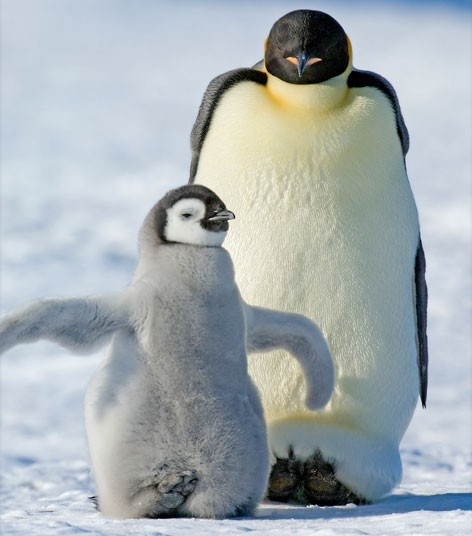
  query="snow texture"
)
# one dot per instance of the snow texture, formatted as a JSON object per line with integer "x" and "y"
{"x": 97, "y": 103}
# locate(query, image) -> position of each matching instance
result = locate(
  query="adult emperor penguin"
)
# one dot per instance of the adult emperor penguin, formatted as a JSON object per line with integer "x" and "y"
{"x": 313, "y": 151}
{"x": 175, "y": 426}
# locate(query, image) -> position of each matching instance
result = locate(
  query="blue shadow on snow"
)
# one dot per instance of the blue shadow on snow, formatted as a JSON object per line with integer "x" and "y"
{"x": 395, "y": 504}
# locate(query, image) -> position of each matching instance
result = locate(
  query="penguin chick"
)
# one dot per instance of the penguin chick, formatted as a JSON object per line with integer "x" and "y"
{"x": 312, "y": 151}
{"x": 174, "y": 424}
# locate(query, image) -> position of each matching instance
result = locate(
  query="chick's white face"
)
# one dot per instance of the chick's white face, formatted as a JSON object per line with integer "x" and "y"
{"x": 184, "y": 224}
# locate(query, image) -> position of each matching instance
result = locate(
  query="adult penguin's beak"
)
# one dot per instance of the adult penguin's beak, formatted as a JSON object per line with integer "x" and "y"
{"x": 302, "y": 60}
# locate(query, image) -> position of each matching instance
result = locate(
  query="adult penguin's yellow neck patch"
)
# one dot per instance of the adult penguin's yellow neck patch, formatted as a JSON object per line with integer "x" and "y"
{"x": 312, "y": 98}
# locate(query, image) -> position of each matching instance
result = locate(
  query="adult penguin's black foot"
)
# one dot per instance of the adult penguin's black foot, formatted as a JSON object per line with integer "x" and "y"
{"x": 285, "y": 479}
{"x": 321, "y": 487}
{"x": 310, "y": 482}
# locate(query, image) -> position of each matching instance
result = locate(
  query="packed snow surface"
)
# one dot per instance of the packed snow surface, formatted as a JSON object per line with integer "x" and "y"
{"x": 97, "y": 103}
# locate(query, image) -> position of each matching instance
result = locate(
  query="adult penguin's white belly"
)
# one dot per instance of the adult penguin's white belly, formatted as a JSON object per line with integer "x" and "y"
{"x": 326, "y": 225}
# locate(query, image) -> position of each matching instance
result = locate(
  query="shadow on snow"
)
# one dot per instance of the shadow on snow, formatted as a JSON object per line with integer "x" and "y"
{"x": 395, "y": 504}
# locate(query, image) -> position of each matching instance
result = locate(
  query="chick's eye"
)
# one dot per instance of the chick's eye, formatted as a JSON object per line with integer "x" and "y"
{"x": 187, "y": 215}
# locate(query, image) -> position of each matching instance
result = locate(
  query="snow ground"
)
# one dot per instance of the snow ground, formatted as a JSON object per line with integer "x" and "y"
{"x": 97, "y": 102}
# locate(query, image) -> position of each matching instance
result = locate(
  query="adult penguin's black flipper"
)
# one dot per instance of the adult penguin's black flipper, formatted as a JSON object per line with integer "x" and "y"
{"x": 421, "y": 320}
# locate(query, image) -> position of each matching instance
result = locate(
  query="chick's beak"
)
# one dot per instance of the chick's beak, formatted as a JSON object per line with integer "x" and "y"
{"x": 222, "y": 215}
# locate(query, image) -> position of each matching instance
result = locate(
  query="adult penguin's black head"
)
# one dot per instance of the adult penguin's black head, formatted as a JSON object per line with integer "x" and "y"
{"x": 306, "y": 47}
